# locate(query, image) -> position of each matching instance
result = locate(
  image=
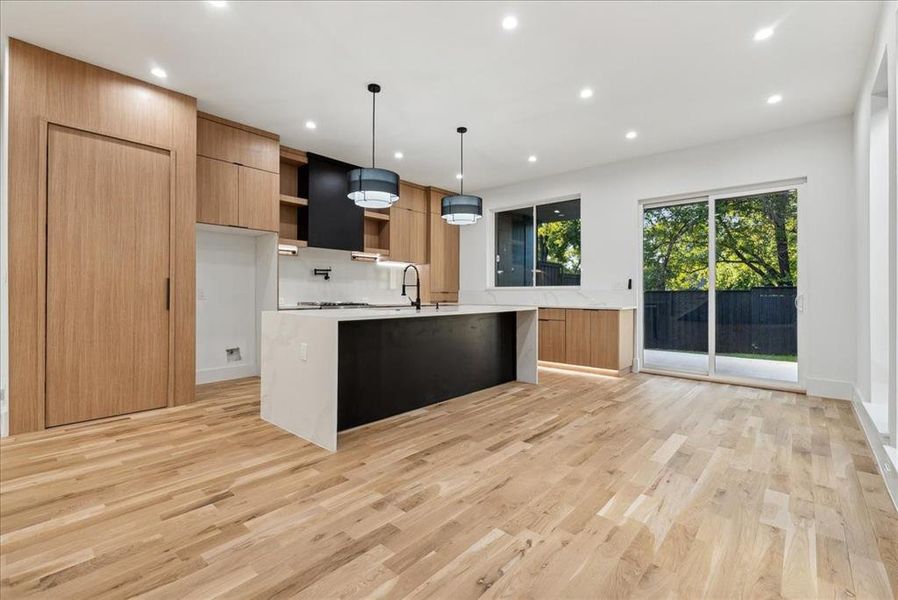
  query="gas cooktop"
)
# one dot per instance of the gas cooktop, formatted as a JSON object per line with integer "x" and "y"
{"x": 332, "y": 304}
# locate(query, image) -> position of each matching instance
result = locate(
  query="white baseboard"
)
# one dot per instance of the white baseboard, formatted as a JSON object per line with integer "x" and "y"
{"x": 874, "y": 439}
{"x": 226, "y": 373}
{"x": 830, "y": 388}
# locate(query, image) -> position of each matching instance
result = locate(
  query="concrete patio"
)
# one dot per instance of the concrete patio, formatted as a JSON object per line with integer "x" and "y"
{"x": 728, "y": 366}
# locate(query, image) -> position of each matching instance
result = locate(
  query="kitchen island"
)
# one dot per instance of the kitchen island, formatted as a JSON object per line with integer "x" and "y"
{"x": 325, "y": 371}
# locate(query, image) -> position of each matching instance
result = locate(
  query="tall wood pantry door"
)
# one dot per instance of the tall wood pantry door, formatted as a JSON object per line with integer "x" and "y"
{"x": 108, "y": 240}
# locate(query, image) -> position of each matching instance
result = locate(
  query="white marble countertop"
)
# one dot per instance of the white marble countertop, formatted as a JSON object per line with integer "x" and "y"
{"x": 588, "y": 306}
{"x": 358, "y": 314}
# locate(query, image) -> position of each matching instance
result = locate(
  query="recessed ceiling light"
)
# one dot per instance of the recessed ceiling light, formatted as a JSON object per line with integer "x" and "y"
{"x": 398, "y": 155}
{"x": 531, "y": 158}
{"x": 631, "y": 135}
{"x": 311, "y": 125}
{"x": 217, "y": 3}
{"x": 586, "y": 93}
{"x": 159, "y": 72}
{"x": 775, "y": 99}
{"x": 763, "y": 33}
{"x": 458, "y": 175}
{"x": 509, "y": 22}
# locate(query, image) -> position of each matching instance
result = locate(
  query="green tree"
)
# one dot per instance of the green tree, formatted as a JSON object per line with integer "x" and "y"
{"x": 675, "y": 247}
{"x": 756, "y": 239}
{"x": 559, "y": 242}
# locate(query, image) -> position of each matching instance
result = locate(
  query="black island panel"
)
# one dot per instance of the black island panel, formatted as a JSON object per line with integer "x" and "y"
{"x": 391, "y": 366}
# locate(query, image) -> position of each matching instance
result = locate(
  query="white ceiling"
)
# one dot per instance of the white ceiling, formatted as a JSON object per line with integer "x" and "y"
{"x": 680, "y": 73}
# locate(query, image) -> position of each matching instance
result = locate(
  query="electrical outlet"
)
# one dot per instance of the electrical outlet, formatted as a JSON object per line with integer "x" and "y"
{"x": 303, "y": 351}
{"x": 200, "y": 294}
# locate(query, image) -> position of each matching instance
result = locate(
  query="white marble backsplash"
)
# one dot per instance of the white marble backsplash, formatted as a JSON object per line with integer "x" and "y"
{"x": 350, "y": 280}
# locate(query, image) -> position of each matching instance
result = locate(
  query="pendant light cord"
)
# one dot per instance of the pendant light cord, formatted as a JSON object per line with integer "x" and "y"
{"x": 373, "y": 130}
{"x": 462, "y": 164}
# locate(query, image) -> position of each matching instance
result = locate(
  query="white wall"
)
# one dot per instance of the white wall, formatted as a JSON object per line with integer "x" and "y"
{"x": 350, "y": 281}
{"x": 821, "y": 152}
{"x": 879, "y": 252}
{"x": 875, "y": 193}
{"x": 239, "y": 275}
{"x": 225, "y": 305}
{"x": 876, "y": 207}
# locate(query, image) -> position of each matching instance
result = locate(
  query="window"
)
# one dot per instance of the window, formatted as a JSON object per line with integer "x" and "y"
{"x": 545, "y": 235}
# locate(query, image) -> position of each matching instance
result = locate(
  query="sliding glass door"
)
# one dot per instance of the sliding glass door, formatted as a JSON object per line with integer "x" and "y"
{"x": 720, "y": 286}
{"x": 756, "y": 284}
{"x": 675, "y": 283}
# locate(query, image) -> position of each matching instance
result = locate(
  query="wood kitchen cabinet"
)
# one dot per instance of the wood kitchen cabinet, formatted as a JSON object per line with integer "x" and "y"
{"x": 238, "y": 182}
{"x": 442, "y": 248}
{"x": 216, "y": 191}
{"x": 578, "y": 338}
{"x": 235, "y": 195}
{"x": 412, "y": 197}
{"x": 408, "y": 235}
{"x": 408, "y": 225}
{"x": 258, "y": 201}
{"x": 552, "y": 341}
{"x": 595, "y": 338}
{"x": 232, "y": 142}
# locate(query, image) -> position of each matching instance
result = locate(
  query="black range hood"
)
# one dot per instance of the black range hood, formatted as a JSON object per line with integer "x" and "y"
{"x": 334, "y": 220}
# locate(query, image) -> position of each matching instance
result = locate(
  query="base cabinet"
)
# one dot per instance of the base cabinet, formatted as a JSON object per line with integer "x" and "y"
{"x": 597, "y": 338}
{"x": 552, "y": 341}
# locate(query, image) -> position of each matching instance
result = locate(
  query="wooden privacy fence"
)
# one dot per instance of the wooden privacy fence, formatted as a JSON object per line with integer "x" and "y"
{"x": 757, "y": 321}
{"x": 550, "y": 273}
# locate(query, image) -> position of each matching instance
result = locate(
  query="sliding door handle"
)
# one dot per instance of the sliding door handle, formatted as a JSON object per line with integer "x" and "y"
{"x": 168, "y": 293}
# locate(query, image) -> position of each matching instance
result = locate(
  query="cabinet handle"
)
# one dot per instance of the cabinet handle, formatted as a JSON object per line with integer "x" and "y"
{"x": 168, "y": 293}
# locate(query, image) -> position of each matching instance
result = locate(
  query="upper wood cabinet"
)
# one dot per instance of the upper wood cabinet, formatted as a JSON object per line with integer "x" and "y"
{"x": 408, "y": 235}
{"x": 412, "y": 197}
{"x": 408, "y": 225}
{"x": 258, "y": 199}
{"x": 236, "y": 196}
{"x": 216, "y": 191}
{"x": 442, "y": 247}
{"x": 232, "y": 142}
{"x": 237, "y": 180}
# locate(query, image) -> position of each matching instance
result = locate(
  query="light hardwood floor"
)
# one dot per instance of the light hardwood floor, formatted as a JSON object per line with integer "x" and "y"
{"x": 582, "y": 487}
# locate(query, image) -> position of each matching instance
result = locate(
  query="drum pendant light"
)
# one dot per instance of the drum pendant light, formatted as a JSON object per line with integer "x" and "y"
{"x": 462, "y": 209}
{"x": 373, "y": 187}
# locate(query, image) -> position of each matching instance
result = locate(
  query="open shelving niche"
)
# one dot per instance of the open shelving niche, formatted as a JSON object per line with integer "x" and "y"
{"x": 294, "y": 210}
{"x": 377, "y": 232}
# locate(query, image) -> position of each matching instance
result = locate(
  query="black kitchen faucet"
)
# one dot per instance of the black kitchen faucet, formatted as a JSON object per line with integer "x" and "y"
{"x": 417, "y": 301}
